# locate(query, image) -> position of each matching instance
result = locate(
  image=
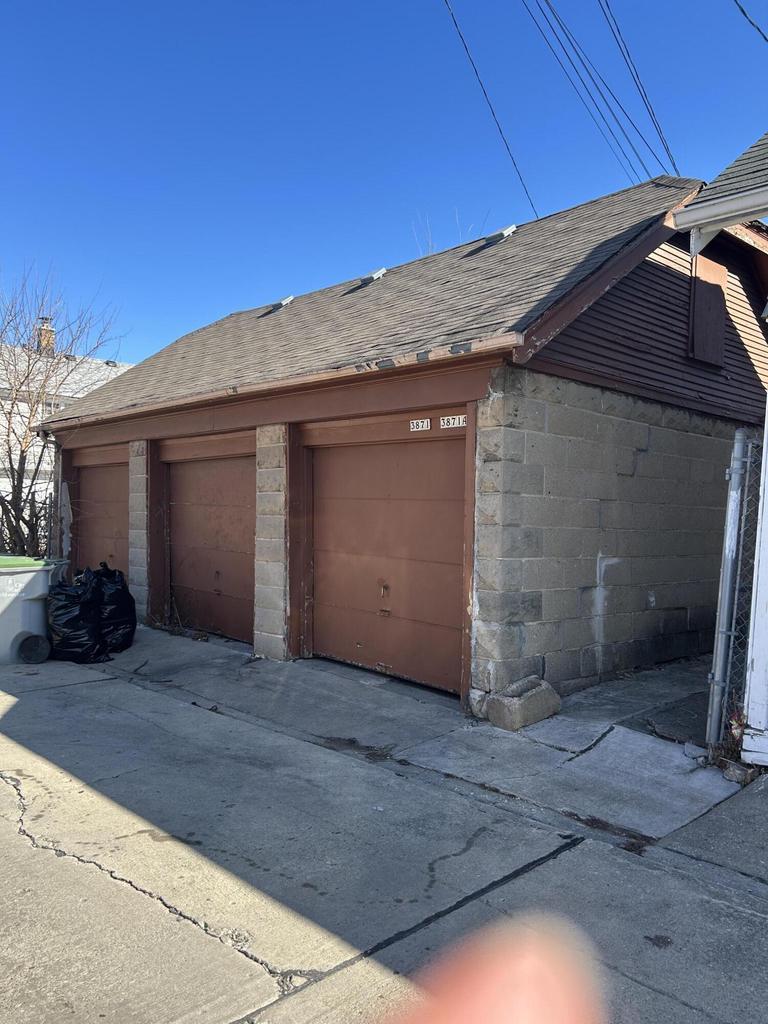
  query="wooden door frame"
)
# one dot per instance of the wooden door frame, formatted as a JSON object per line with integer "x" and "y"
{"x": 302, "y": 439}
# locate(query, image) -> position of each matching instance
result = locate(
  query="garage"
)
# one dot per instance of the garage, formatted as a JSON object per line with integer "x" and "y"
{"x": 388, "y": 547}
{"x": 211, "y": 526}
{"x": 100, "y": 511}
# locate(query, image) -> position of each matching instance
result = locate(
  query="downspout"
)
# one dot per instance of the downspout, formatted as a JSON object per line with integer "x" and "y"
{"x": 725, "y": 601}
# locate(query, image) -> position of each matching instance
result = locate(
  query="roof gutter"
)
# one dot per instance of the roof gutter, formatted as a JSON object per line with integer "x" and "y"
{"x": 497, "y": 343}
{"x": 705, "y": 219}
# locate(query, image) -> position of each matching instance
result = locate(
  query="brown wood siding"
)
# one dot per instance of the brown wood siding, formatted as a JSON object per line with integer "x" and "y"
{"x": 637, "y": 335}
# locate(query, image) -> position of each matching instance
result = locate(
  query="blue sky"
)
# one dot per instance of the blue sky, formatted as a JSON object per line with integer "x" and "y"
{"x": 183, "y": 160}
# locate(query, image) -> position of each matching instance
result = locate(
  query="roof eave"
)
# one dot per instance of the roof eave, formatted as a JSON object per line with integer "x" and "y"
{"x": 507, "y": 341}
{"x": 706, "y": 218}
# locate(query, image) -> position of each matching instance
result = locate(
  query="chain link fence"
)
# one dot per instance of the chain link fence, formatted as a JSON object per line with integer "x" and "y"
{"x": 726, "y": 722}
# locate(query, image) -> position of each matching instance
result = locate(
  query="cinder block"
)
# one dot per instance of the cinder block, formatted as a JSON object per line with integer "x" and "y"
{"x": 490, "y": 412}
{"x": 498, "y": 509}
{"x": 545, "y": 387}
{"x": 583, "y": 396}
{"x": 270, "y": 527}
{"x": 513, "y": 713}
{"x": 270, "y": 503}
{"x": 270, "y": 456}
{"x": 497, "y": 642}
{"x": 561, "y": 543}
{"x": 268, "y": 645}
{"x": 137, "y": 539}
{"x": 270, "y": 550}
{"x": 580, "y": 572}
{"x": 271, "y": 598}
{"x": 137, "y": 503}
{"x": 270, "y": 480}
{"x": 137, "y": 557}
{"x": 505, "y": 606}
{"x": 499, "y": 674}
{"x": 580, "y": 483}
{"x": 137, "y": 449}
{"x": 543, "y": 573}
{"x": 560, "y": 666}
{"x": 524, "y": 413}
{"x": 510, "y": 476}
{"x": 508, "y": 541}
{"x": 270, "y": 574}
{"x": 551, "y": 511}
{"x": 269, "y": 620}
{"x": 498, "y": 573}
{"x": 559, "y": 604}
{"x": 269, "y": 434}
{"x": 500, "y": 443}
{"x": 542, "y": 637}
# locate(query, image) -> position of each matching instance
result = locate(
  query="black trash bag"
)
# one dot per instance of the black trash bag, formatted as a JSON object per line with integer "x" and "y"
{"x": 118, "y": 609}
{"x": 74, "y": 620}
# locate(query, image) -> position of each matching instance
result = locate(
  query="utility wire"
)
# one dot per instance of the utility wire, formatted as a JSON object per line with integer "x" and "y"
{"x": 751, "y": 20}
{"x": 490, "y": 106}
{"x": 585, "y": 85}
{"x": 613, "y": 24}
{"x": 589, "y": 68}
{"x": 584, "y": 103}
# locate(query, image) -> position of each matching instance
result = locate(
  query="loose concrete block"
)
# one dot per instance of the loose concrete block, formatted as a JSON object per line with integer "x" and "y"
{"x": 477, "y": 702}
{"x": 513, "y": 713}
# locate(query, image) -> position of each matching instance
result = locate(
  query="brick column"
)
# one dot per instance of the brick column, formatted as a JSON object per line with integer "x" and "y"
{"x": 138, "y": 526}
{"x": 271, "y": 563}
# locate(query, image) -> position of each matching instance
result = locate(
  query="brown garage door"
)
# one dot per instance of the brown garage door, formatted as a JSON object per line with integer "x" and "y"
{"x": 388, "y": 546}
{"x": 100, "y": 513}
{"x": 212, "y": 526}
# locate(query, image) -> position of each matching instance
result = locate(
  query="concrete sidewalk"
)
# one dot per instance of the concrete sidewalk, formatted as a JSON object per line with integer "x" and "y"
{"x": 189, "y": 835}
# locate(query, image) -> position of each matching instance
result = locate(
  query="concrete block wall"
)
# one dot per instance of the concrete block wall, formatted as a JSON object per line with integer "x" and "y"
{"x": 599, "y": 521}
{"x": 271, "y": 558}
{"x": 138, "y": 489}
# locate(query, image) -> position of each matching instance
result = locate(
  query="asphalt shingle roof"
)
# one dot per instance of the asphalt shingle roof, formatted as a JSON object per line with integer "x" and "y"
{"x": 471, "y": 292}
{"x": 748, "y": 171}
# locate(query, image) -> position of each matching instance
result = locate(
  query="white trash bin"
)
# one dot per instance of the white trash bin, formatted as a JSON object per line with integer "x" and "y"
{"x": 24, "y": 584}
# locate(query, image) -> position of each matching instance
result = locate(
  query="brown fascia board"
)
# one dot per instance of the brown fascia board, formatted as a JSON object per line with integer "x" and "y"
{"x": 436, "y": 358}
{"x": 574, "y": 303}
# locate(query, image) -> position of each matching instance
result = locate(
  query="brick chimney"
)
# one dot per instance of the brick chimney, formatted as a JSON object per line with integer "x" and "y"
{"x": 46, "y": 336}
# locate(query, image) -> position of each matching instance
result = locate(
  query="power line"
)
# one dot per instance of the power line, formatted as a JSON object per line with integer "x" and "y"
{"x": 613, "y": 24}
{"x": 751, "y": 21}
{"x": 576, "y": 50}
{"x": 588, "y": 64}
{"x": 616, "y": 152}
{"x": 490, "y": 106}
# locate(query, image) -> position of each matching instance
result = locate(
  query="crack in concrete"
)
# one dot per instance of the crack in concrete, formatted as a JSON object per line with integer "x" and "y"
{"x": 661, "y": 992}
{"x": 477, "y": 894}
{"x": 432, "y": 866}
{"x": 288, "y": 980}
{"x": 591, "y": 746}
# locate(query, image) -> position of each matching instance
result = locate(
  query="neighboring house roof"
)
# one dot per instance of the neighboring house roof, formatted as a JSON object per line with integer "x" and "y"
{"x": 65, "y": 379}
{"x": 737, "y": 194}
{"x": 415, "y": 312}
{"x": 747, "y": 172}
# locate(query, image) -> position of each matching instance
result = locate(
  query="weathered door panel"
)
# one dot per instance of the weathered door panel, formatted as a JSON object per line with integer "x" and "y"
{"x": 100, "y": 515}
{"x": 388, "y": 548}
{"x": 212, "y": 522}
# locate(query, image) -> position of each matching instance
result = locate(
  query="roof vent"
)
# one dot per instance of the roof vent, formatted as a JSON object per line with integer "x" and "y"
{"x": 110, "y": 362}
{"x": 70, "y": 357}
{"x": 370, "y": 278}
{"x": 283, "y": 302}
{"x": 764, "y": 314}
{"x": 499, "y": 235}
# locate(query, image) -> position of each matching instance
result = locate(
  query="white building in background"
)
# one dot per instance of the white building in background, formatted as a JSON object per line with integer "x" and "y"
{"x": 35, "y": 382}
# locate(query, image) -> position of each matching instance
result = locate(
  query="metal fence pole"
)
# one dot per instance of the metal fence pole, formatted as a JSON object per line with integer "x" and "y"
{"x": 728, "y": 569}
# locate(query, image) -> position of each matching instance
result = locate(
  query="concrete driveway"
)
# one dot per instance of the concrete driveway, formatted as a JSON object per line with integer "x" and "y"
{"x": 189, "y": 835}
